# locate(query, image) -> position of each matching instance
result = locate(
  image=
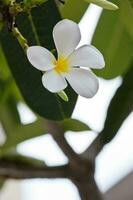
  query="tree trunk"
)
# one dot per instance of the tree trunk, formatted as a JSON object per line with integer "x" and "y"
{"x": 88, "y": 189}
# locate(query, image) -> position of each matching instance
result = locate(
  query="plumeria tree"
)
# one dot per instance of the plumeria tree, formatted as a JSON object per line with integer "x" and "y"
{"x": 42, "y": 65}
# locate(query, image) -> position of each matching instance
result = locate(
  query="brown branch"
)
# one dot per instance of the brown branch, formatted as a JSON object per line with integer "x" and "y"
{"x": 21, "y": 171}
{"x": 93, "y": 150}
{"x": 88, "y": 189}
{"x": 58, "y": 135}
{"x": 83, "y": 169}
{"x": 84, "y": 182}
{"x": 66, "y": 148}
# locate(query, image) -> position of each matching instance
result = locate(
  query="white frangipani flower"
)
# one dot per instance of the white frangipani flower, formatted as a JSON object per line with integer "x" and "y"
{"x": 57, "y": 72}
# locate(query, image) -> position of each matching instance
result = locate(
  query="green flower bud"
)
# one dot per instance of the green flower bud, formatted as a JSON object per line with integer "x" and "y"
{"x": 63, "y": 96}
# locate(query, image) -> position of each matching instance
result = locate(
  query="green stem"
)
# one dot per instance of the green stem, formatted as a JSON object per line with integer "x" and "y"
{"x": 34, "y": 29}
{"x": 22, "y": 41}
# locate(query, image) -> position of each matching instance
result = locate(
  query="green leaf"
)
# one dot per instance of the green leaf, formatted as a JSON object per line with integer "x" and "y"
{"x": 17, "y": 132}
{"x": 24, "y": 132}
{"x": 126, "y": 13}
{"x": 73, "y": 9}
{"x": 4, "y": 71}
{"x": 16, "y": 158}
{"x": 113, "y": 40}
{"x": 73, "y": 125}
{"x": 2, "y": 181}
{"x": 8, "y": 113}
{"x": 104, "y": 4}
{"x": 7, "y": 84}
{"x": 37, "y": 29}
{"x": 120, "y": 107}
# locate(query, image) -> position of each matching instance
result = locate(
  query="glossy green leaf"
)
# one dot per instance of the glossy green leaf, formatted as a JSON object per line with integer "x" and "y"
{"x": 120, "y": 107}
{"x": 73, "y": 125}
{"x": 37, "y": 29}
{"x": 73, "y": 9}
{"x": 114, "y": 41}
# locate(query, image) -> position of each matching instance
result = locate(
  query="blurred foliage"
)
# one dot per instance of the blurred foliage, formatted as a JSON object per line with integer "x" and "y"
{"x": 114, "y": 38}
{"x": 73, "y": 9}
{"x": 2, "y": 181}
{"x": 15, "y": 158}
{"x": 104, "y": 4}
{"x": 120, "y": 107}
{"x": 73, "y": 125}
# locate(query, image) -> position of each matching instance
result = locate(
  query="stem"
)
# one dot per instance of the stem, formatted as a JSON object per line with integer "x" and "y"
{"x": 22, "y": 41}
{"x": 34, "y": 29}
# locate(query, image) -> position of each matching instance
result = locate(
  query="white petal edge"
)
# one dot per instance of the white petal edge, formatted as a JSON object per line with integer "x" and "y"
{"x": 41, "y": 58}
{"x": 83, "y": 81}
{"x": 53, "y": 81}
{"x": 66, "y": 34}
{"x": 87, "y": 56}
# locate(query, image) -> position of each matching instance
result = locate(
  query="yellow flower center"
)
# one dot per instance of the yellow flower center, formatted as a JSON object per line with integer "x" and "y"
{"x": 61, "y": 65}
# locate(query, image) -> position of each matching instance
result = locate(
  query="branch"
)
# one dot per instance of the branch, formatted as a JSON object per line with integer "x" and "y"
{"x": 88, "y": 189}
{"x": 84, "y": 182}
{"x": 93, "y": 150}
{"x": 21, "y": 171}
{"x": 21, "y": 40}
{"x": 58, "y": 135}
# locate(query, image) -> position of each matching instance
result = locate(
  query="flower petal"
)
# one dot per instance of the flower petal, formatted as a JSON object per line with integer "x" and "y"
{"x": 66, "y": 36}
{"x": 40, "y": 58}
{"x": 84, "y": 82}
{"x": 87, "y": 56}
{"x": 53, "y": 81}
